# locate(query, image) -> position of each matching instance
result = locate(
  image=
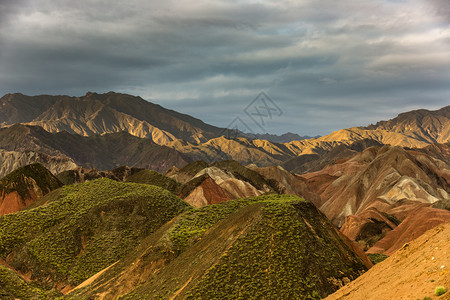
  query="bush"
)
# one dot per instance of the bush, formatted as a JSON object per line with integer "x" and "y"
{"x": 376, "y": 258}
{"x": 440, "y": 290}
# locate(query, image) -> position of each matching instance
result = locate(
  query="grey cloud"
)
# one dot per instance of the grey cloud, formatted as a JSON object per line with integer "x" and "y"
{"x": 338, "y": 60}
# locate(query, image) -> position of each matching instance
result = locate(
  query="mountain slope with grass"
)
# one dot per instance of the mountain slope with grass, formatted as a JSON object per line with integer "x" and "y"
{"x": 279, "y": 247}
{"x": 24, "y": 186}
{"x": 154, "y": 178}
{"x": 13, "y": 286}
{"x": 83, "y": 229}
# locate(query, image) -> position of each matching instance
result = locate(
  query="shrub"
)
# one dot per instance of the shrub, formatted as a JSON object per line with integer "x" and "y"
{"x": 376, "y": 258}
{"x": 440, "y": 290}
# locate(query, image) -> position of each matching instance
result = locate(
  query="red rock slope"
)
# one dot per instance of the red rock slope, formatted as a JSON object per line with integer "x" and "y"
{"x": 24, "y": 186}
{"x": 411, "y": 228}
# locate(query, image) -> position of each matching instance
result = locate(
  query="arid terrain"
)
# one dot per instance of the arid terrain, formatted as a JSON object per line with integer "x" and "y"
{"x": 412, "y": 272}
{"x": 108, "y": 196}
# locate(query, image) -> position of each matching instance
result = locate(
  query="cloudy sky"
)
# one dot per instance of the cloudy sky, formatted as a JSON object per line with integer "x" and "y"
{"x": 326, "y": 64}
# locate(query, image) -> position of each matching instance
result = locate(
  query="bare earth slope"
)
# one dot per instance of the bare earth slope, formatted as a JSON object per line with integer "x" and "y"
{"x": 103, "y": 152}
{"x": 379, "y": 178}
{"x": 221, "y": 181}
{"x": 369, "y": 194}
{"x": 417, "y": 223}
{"x": 413, "y": 272}
{"x": 103, "y": 113}
{"x": 413, "y": 129}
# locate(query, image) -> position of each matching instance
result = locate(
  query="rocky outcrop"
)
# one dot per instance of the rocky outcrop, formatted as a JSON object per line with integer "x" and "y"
{"x": 218, "y": 183}
{"x": 103, "y": 152}
{"x": 24, "y": 186}
{"x": 104, "y": 113}
{"x": 416, "y": 224}
{"x": 369, "y": 194}
{"x": 11, "y": 160}
{"x": 381, "y": 178}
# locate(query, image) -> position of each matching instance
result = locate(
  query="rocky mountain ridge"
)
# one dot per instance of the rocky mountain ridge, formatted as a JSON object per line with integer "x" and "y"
{"x": 113, "y": 112}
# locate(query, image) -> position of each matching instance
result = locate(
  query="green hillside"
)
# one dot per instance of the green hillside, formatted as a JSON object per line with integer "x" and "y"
{"x": 84, "y": 229}
{"x": 154, "y": 178}
{"x": 278, "y": 247}
{"x": 12, "y": 287}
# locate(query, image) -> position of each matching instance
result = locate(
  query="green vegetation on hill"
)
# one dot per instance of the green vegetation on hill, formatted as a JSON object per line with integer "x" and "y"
{"x": 85, "y": 229}
{"x": 53, "y": 195}
{"x": 154, "y": 178}
{"x": 18, "y": 180}
{"x": 67, "y": 177}
{"x": 376, "y": 258}
{"x": 288, "y": 254}
{"x": 12, "y": 287}
{"x": 277, "y": 247}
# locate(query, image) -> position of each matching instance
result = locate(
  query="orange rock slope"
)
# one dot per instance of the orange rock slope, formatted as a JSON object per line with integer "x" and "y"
{"x": 413, "y": 272}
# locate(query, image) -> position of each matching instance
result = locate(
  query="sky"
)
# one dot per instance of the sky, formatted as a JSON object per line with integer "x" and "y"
{"x": 322, "y": 65}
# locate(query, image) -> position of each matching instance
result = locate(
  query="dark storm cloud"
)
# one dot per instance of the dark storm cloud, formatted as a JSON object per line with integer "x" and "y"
{"x": 327, "y": 64}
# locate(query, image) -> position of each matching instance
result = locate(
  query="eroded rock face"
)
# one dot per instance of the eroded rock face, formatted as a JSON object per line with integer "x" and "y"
{"x": 208, "y": 192}
{"x": 416, "y": 224}
{"x": 214, "y": 185}
{"x": 12, "y": 160}
{"x": 369, "y": 194}
{"x": 366, "y": 224}
{"x": 104, "y": 113}
{"x": 381, "y": 178}
{"x": 24, "y": 186}
{"x": 12, "y": 202}
{"x": 104, "y": 152}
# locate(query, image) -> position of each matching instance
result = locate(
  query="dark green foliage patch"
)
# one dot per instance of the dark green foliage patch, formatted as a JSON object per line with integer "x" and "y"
{"x": 154, "y": 178}
{"x": 87, "y": 228}
{"x": 376, "y": 258}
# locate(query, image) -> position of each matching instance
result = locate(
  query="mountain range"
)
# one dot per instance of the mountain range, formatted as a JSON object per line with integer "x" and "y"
{"x": 104, "y": 119}
{"x": 108, "y": 196}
